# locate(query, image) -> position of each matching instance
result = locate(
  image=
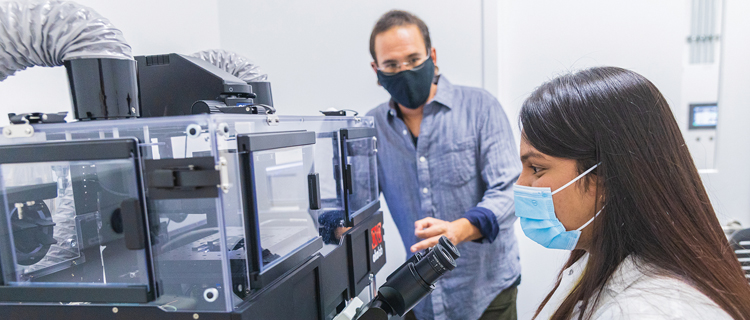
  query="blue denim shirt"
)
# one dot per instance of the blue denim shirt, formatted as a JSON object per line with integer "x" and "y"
{"x": 465, "y": 164}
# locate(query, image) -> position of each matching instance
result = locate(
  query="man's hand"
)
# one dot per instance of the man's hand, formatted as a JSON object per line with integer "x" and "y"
{"x": 431, "y": 229}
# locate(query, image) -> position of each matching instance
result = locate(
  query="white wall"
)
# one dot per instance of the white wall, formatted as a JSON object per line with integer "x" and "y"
{"x": 150, "y": 27}
{"x": 540, "y": 39}
{"x": 729, "y": 187}
{"x": 317, "y": 52}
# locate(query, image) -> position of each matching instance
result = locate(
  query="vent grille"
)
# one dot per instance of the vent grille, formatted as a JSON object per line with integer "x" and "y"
{"x": 157, "y": 60}
{"x": 740, "y": 242}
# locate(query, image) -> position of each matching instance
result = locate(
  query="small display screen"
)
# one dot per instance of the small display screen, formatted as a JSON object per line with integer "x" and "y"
{"x": 703, "y": 116}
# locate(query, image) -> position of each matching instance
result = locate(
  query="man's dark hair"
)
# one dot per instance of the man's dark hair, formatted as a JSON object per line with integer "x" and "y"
{"x": 396, "y": 18}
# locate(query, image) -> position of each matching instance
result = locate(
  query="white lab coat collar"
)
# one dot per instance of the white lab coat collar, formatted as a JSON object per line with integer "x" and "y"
{"x": 568, "y": 280}
{"x": 637, "y": 290}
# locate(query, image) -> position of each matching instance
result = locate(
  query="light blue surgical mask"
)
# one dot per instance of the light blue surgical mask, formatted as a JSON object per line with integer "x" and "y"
{"x": 538, "y": 220}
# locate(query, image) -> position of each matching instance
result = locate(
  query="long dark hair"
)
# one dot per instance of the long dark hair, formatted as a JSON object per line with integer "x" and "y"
{"x": 655, "y": 206}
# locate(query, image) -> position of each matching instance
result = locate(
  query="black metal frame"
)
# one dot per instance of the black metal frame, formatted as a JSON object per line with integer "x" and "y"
{"x": 365, "y": 212}
{"x": 358, "y": 240}
{"x": 83, "y": 150}
{"x": 259, "y": 279}
{"x": 357, "y": 133}
{"x": 246, "y": 145}
{"x": 86, "y": 150}
{"x": 328, "y": 280}
{"x": 305, "y": 283}
{"x": 40, "y": 191}
{"x": 316, "y": 281}
{"x": 124, "y": 294}
{"x": 274, "y": 140}
{"x": 351, "y": 134}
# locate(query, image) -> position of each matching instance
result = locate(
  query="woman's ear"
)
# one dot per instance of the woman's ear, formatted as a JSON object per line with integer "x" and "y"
{"x": 599, "y": 182}
{"x": 593, "y": 187}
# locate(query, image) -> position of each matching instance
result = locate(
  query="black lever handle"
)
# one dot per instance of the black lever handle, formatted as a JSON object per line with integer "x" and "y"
{"x": 313, "y": 190}
{"x": 133, "y": 224}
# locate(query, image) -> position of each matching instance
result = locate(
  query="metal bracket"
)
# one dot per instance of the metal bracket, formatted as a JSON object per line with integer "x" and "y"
{"x": 182, "y": 178}
{"x": 313, "y": 190}
{"x": 187, "y": 177}
{"x": 340, "y": 113}
{"x": 272, "y": 120}
{"x": 352, "y": 311}
{"x": 37, "y": 117}
{"x": 24, "y": 130}
{"x": 223, "y": 174}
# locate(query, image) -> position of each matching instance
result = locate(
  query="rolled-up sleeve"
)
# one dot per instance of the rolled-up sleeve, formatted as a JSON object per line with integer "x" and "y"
{"x": 499, "y": 167}
{"x": 485, "y": 221}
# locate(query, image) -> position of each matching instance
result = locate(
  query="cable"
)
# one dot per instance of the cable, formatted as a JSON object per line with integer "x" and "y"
{"x": 188, "y": 237}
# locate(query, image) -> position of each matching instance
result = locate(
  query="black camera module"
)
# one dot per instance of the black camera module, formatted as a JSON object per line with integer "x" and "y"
{"x": 412, "y": 281}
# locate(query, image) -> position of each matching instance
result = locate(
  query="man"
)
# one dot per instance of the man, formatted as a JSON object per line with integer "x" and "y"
{"x": 447, "y": 163}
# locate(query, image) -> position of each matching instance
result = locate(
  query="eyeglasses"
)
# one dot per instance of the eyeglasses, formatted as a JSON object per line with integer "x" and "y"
{"x": 393, "y": 67}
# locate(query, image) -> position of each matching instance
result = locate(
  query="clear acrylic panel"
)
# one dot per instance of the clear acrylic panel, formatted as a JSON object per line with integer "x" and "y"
{"x": 64, "y": 217}
{"x": 361, "y": 156}
{"x": 328, "y": 167}
{"x": 199, "y": 253}
{"x": 330, "y": 217}
{"x": 197, "y": 244}
{"x": 282, "y": 203}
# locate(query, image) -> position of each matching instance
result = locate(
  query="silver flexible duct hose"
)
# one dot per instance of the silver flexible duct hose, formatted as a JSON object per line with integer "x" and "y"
{"x": 233, "y": 63}
{"x": 49, "y": 33}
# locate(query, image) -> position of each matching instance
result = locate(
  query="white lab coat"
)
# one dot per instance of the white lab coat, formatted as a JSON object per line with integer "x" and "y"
{"x": 635, "y": 293}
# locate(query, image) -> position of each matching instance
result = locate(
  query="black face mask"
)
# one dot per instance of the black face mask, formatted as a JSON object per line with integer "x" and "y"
{"x": 410, "y": 88}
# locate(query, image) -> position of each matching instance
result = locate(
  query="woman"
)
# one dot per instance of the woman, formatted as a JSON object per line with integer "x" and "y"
{"x": 628, "y": 202}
